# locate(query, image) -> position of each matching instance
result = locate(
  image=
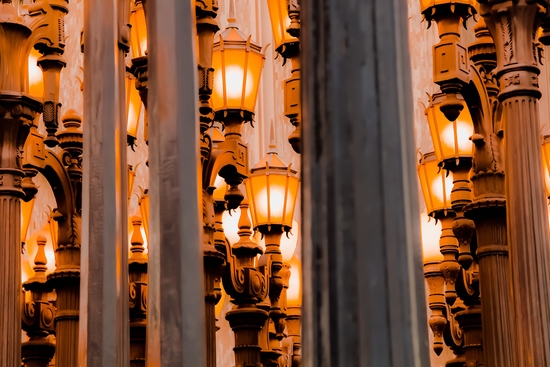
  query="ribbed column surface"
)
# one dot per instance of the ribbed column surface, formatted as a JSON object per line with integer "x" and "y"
{"x": 66, "y": 326}
{"x": 494, "y": 277}
{"x": 527, "y": 232}
{"x": 10, "y": 282}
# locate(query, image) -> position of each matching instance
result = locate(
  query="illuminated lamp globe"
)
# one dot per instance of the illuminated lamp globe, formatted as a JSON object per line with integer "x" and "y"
{"x": 294, "y": 292}
{"x": 237, "y": 63}
{"x": 230, "y": 223}
{"x": 431, "y": 232}
{"x": 133, "y": 109}
{"x": 546, "y": 163}
{"x": 138, "y": 32}
{"x": 436, "y": 184}
{"x": 272, "y": 189}
{"x": 280, "y": 22}
{"x": 451, "y": 138}
{"x": 36, "y": 79}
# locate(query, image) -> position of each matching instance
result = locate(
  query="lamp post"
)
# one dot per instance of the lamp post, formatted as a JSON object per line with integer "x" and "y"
{"x": 294, "y": 312}
{"x": 38, "y": 314}
{"x": 284, "y": 15}
{"x": 273, "y": 189}
{"x": 18, "y": 111}
{"x": 138, "y": 47}
{"x": 441, "y": 268}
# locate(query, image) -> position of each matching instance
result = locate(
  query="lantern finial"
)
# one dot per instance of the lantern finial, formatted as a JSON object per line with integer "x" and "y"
{"x": 231, "y": 19}
{"x": 272, "y": 145}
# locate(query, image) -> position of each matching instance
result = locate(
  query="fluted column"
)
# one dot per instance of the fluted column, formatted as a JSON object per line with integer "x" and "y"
{"x": 513, "y": 27}
{"x": 16, "y": 115}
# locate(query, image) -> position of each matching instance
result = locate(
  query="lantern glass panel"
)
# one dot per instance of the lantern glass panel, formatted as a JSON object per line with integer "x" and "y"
{"x": 236, "y": 77}
{"x": 138, "y": 35}
{"x": 133, "y": 107}
{"x": 451, "y": 138}
{"x": 436, "y": 184}
{"x": 36, "y": 78}
{"x": 431, "y": 232}
{"x": 546, "y": 163}
{"x": 294, "y": 292}
{"x": 278, "y": 13}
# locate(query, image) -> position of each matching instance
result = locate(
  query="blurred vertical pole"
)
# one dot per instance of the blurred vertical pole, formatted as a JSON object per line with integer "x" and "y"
{"x": 175, "y": 318}
{"x": 104, "y": 279}
{"x": 364, "y": 302}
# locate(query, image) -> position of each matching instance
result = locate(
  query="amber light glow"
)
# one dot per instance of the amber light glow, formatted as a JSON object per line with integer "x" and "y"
{"x": 138, "y": 36}
{"x": 431, "y": 232}
{"x": 278, "y": 13}
{"x": 294, "y": 292}
{"x": 425, "y": 4}
{"x": 272, "y": 189}
{"x": 36, "y": 78}
{"x": 451, "y": 138}
{"x": 436, "y": 184}
{"x": 133, "y": 108}
{"x": 546, "y": 163}
{"x": 237, "y": 64}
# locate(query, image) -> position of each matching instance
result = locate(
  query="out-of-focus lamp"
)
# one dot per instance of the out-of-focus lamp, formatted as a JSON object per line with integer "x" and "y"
{"x": 138, "y": 31}
{"x": 272, "y": 189}
{"x": 431, "y": 232}
{"x": 288, "y": 242}
{"x": 451, "y": 138}
{"x": 133, "y": 109}
{"x": 237, "y": 63}
{"x": 546, "y": 162}
{"x": 230, "y": 220}
{"x": 144, "y": 209}
{"x": 278, "y": 13}
{"x": 36, "y": 79}
{"x": 294, "y": 292}
{"x": 131, "y": 178}
{"x": 26, "y": 216}
{"x": 436, "y": 184}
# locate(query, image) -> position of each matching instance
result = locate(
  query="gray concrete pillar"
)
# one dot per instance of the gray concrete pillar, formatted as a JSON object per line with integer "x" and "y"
{"x": 104, "y": 333}
{"x": 175, "y": 318}
{"x": 364, "y": 302}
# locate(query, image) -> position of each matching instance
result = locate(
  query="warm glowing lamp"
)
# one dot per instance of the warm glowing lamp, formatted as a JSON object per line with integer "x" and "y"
{"x": 138, "y": 34}
{"x": 294, "y": 292}
{"x": 237, "y": 63}
{"x": 36, "y": 79}
{"x": 133, "y": 109}
{"x": 436, "y": 184}
{"x": 144, "y": 208}
{"x": 546, "y": 162}
{"x": 221, "y": 189}
{"x": 26, "y": 216}
{"x": 272, "y": 189}
{"x": 429, "y": 4}
{"x": 230, "y": 220}
{"x": 431, "y": 233}
{"x": 280, "y": 22}
{"x": 288, "y": 242}
{"x": 451, "y": 138}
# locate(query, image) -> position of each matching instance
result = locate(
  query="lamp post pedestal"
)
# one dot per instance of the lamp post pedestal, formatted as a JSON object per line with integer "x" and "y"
{"x": 513, "y": 26}
{"x": 16, "y": 115}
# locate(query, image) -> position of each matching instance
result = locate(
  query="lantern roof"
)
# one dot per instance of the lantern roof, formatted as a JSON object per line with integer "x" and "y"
{"x": 232, "y": 35}
{"x": 272, "y": 161}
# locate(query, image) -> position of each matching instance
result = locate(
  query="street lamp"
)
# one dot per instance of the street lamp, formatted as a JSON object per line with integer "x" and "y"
{"x": 272, "y": 188}
{"x": 450, "y": 138}
{"x": 284, "y": 15}
{"x": 138, "y": 35}
{"x": 237, "y": 63}
{"x": 133, "y": 109}
{"x": 546, "y": 162}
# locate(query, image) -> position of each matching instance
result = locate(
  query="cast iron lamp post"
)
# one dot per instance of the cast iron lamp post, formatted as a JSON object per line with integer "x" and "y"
{"x": 294, "y": 313}
{"x": 273, "y": 189}
{"x": 441, "y": 267}
{"x": 477, "y": 81}
{"x": 40, "y": 29}
{"x": 285, "y": 23}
